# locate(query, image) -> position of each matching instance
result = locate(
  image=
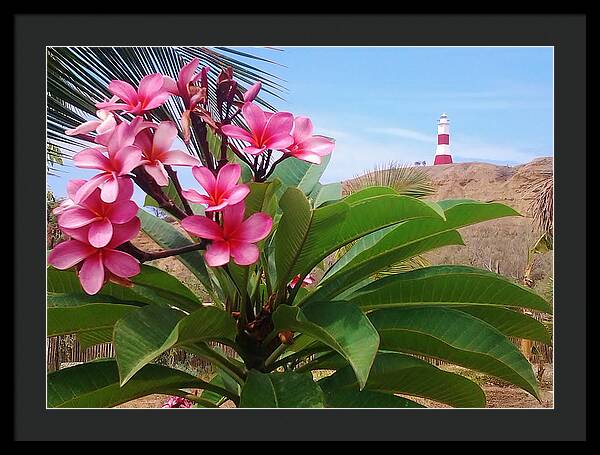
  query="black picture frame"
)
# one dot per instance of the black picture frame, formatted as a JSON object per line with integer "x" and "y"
{"x": 566, "y": 33}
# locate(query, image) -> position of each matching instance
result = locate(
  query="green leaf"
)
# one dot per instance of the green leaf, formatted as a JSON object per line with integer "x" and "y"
{"x": 96, "y": 384}
{"x": 455, "y": 337}
{"x": 363, "y": 269}
{"x": 84, "y": 318}
{"x": 366, "y": 399}
{"x": 459, "y": 213}
{"x": 223, "y": 380}
{"x": 91, "y": 338}
{"x": 261, "y": 198}
{"x": 64, "y": 285}
{"x": 166, "y": 286}
{"x": 339, "y": 325}
{"x": 305, "y": 237}
{"x": 325, "y": 193}
{"x": 74, "y": 299}
{"x": 299, "y": 174}
{"x": 368, "y": 192}
{"x": 398, "y": 373}
{"x": 510, "y": 323}
{"x": 143, "y": 335}
{"x": 168, "y": 237}
{"x": 446, "y": 285}
{"x": 281, "y": 390}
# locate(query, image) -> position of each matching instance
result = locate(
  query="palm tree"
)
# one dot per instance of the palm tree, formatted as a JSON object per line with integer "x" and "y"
{"x": 78, "y": 78}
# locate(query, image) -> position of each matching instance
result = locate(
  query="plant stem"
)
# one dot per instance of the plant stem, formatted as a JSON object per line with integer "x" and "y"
{"x": 151, "y": 188}
{"x": 145, "y": 256}
{"x": 177, "y": 185}
{"x": 276, "y": 353}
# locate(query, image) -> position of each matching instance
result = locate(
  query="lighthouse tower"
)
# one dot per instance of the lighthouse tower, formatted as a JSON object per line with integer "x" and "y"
{"x": 442, "y": 152}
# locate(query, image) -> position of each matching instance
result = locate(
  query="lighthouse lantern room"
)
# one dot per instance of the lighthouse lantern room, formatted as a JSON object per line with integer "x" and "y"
{"x": 442, "y": 152}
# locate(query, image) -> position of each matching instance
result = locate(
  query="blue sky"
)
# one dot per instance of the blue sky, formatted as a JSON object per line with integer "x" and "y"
{"x": 382, "y": 104}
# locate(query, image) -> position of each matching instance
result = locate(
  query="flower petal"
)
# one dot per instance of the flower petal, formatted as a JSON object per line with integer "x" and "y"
{"x": 170, "y": 85}
{"x": 179, "y": 158}
{"x": 251, "y": 93}
{"x": 303, "y": 129}
{"x": 202, "y": 227}
{"x": 237, "y": 133}
{"x": 195, "y": 197}
{"x": 227, "y": 177}
{"x": 124, "y": 232}
{"x": 75, "y": 217}
{"x": 317, "y": 144}
{"x": 91, "y": 274}
{"x": 243, "y": 253}
{"x": 158, "y": 173}
{"x": 69, "y": 253}
{"x": 156, "y": 101}
{"x": 254, "y": 150}
{"x": 278, "y": 124}
{"x": 127, "y": 159}
{"x": 205, "y": 178}
{"x": 255, "y": 117}
{"x": 121, "y": 263}
{"x": 124, "y": 91}
{"x": 122, "y": 211}
{"x": 163, "y": 137}
{"x": 84, "y": 128}
{"x": 233, "y": 215}
{"x": 279, "y": 141}
{"x": 236, "y": 194}
{"x": 88, "y": 187}
{"x": 255, "y": 228}
{"x": 150, "y": 86}
{"x": 308, "y": 157}
{"x": 73, "y": 185}
{"x": 100, "y": 233}
{"x": 109, "y": 191}
{"x": 92, "y": 159}
{"x": 217, "y": 253}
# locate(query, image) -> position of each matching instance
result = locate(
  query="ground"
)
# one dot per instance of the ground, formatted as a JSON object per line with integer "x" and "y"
{"x": 498, "y": 395}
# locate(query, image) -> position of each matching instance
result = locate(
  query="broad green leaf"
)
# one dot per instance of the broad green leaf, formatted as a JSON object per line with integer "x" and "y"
{"x": 167, "y": 287}
{"x": 340, "y": 325}
{"x": 84, "y": 318}
{"x": 362, "y": 270}
{"x": 144, "y": 334}
{"x": 325, "y": 193}
{"x": 261, "y": 198}
{"x": 91, "y": 338}
{"x": 64, "y": 285}
{"x": 446, "y": 285}
{"x": 369, "y": 192}
{"x": 455, "y": 337}
{"x": 281, "y": 390}
{"x": 366, "y": 399}
{"x": 168, "y": 237}
{"x": 96, "y": 384}
{"x": 324, "y": 230}
{"x": 74, "y": 299}
{"x": 299, "y": 174}
{"x": 510, "y": 323}
{"x": 223, "y": 380}
{"x": 459, "y": 213}
{"x": 399, "y": 373}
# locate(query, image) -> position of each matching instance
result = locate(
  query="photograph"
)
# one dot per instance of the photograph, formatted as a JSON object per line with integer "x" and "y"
{"x": 286, "y": 226}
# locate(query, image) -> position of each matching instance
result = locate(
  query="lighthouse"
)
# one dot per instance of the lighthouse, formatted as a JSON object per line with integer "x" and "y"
{"x": 442, "y": 152}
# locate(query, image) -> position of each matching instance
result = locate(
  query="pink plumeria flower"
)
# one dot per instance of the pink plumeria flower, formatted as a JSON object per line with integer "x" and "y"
{"x": 307, "y": 281}
{"x": 177, "y": 402}
{"x": 156, "y": 152}
{"x": 103, "y": 126}
{"x": 99, "y": 217}
{"x": 267, "y": 131}
{"x": 252, "y": 92}
{"x": 234, "y": 239}
{"x": 148, "y": 96}
{"x": 222, "y": 191}
{"x": 306, "y": 146}
{"x": 97, "y": 265}
{"x": 72, "y": 186}
{"x": 122, "y": 158}
{"x": 184, "y": 86}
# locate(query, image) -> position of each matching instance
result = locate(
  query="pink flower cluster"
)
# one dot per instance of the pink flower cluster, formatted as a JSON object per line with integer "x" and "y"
{"x": 282, "y": 132}
{"x": 177, "y": 402}
{"x": 99, "y": 216}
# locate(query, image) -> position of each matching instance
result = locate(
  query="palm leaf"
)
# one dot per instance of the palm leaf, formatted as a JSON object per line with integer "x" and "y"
{"x": 78, "y": 78}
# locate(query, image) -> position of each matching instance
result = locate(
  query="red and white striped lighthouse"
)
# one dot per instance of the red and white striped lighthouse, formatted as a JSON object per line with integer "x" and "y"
{"x": 442, "y": 152}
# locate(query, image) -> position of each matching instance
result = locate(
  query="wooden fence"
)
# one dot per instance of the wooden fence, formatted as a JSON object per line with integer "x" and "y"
{"x": 66, "y": 349}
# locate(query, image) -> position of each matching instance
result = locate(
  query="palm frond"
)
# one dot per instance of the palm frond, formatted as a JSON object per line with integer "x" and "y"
{"x": 405, "y": 179}
{"x": 542, "y": 205}
{"x": 78, "y": 78}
